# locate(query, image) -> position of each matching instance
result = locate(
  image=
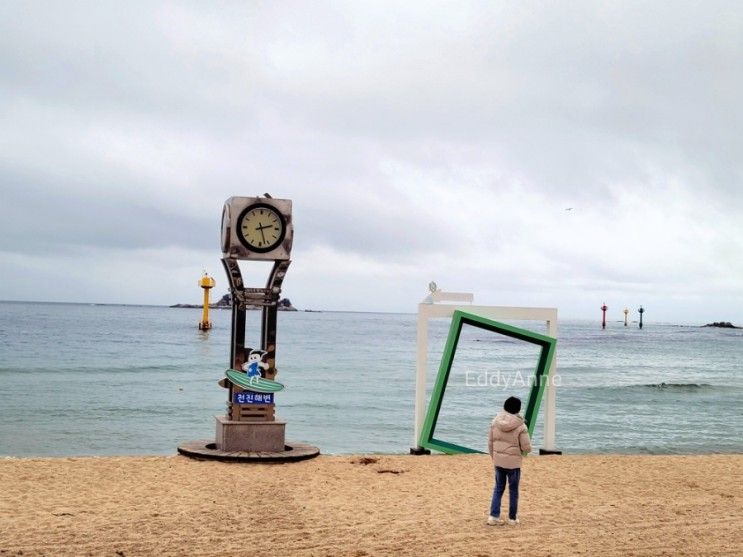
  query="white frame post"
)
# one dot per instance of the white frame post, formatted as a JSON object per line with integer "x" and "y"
{"x": 429, "y": 308}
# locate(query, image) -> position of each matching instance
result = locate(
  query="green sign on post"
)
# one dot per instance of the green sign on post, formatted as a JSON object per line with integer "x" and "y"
{"x": 460, "y": 318}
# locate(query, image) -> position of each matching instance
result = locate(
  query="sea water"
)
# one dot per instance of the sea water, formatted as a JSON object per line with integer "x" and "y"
{"x": 81, "y": 379}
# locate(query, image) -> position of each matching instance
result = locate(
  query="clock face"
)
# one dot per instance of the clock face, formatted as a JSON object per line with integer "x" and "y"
{"x": 261, "y": 227}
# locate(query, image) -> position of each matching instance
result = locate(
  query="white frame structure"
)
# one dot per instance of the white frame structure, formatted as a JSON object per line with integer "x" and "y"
{"x": 432, "y": 306}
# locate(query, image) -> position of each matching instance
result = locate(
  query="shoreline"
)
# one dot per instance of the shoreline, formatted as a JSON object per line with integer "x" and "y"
{"x": 369, "y": 505}
{"x": 533, "y": 454}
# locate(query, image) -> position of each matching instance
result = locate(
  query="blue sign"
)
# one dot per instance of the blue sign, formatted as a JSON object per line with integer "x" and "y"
{"x": 249, "y": 397}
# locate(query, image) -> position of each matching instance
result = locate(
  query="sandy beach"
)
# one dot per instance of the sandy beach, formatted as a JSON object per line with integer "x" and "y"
{"x": 373, "y": 505}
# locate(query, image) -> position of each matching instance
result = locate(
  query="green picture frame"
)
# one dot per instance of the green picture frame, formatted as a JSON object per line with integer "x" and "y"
{"x": 541, "y": 375}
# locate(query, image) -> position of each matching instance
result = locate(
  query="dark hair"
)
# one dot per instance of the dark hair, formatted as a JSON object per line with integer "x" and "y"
{"x": 512, "y": 405}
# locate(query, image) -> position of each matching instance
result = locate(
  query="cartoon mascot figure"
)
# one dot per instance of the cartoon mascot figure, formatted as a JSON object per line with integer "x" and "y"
{"x": 255, "y": 364}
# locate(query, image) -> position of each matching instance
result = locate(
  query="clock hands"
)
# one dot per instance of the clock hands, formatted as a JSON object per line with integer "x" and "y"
{"x": 260, "y": 229}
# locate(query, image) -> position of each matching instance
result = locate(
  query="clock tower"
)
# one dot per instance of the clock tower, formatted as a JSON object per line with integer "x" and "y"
{"x": 253, "y": 229}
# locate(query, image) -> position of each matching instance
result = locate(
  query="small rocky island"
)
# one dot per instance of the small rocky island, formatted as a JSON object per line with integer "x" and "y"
{"x": 225, "y": 302}
{"x": 722, "y": 325}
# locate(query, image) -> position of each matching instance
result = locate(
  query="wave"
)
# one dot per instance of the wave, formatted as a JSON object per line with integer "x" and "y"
{"x": 672, "y": 387}
{"x": 93, "y": 370}
{"x": 678, "y": 386}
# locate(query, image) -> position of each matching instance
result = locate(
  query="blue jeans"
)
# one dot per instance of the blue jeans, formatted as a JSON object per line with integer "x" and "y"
{"x": 513, "y": 476}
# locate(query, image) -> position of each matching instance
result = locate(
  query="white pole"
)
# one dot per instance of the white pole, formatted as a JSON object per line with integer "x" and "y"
{"x": 420, "y": 371}
{"x": 550, "y": 407}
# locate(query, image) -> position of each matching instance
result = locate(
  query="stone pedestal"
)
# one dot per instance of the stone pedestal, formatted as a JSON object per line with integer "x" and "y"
{"x": 250, "y": 436}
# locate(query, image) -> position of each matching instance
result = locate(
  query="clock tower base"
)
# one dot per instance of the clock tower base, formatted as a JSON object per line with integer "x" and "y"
{"x": 249, "y": 436}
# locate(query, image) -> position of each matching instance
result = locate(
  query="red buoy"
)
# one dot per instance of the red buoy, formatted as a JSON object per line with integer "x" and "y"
{"x": 603, "y": 316}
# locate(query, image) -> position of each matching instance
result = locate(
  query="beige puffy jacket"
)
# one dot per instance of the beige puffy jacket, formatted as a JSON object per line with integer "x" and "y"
{"x": 508, "y": 437}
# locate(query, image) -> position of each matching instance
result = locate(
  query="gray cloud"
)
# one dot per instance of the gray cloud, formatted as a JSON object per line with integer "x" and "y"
{"x": 405, "y": 134}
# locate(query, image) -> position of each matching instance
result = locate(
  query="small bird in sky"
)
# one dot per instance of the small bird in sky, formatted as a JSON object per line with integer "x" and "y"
{"x": 569, "y": 209}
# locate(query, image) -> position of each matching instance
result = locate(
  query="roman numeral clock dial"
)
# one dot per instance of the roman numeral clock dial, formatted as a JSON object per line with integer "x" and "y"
{"x": 261, "y": 228}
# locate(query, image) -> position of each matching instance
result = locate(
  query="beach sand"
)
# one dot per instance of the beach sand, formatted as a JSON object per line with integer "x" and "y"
{"x": 375, "y": 505}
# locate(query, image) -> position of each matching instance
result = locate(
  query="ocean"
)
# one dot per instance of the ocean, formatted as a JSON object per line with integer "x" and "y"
{"x": 85, "y": 379}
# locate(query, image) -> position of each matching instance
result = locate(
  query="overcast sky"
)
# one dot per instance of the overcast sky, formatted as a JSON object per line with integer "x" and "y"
{"x": 419, "y": 141}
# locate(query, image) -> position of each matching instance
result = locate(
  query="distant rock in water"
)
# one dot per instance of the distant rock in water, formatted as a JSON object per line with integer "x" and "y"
{"x": 722, "y": 325}
{"x": 225, "y": 302}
